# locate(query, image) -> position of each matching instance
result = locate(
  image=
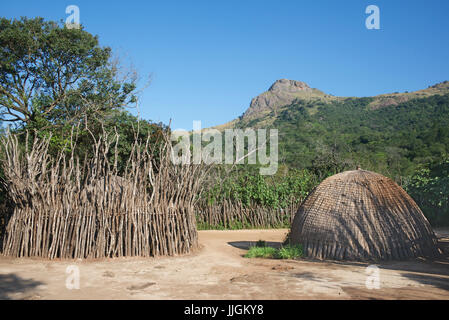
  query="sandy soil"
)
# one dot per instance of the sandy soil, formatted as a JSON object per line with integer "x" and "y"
{"x": 219, "y": 271}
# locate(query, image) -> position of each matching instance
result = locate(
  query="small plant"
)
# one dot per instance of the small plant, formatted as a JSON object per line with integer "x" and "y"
{"x": 260, "y": 250}
{"x": 290, "y": 252}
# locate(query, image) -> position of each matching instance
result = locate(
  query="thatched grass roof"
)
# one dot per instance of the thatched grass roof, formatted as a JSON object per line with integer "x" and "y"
{"x": 362, "y": 215}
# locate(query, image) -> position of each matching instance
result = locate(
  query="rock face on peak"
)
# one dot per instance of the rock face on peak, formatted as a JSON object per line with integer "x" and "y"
{"x": 286, "y": 85}
{"x": 281, "y": 93}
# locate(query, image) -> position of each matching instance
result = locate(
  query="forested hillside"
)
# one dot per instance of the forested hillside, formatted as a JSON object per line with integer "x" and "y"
{"x": 329, "y": 137}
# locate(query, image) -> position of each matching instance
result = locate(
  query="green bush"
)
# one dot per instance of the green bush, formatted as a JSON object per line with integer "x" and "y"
{"x": 290, "y": 252}
{"x": 260, "y": 250}
{"x": 429, "y": 187}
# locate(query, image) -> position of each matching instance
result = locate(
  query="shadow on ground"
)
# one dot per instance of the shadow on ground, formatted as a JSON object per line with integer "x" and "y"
{"x": 11, "y": 284}
{"x": 427, "y": 272}
{"x": 245, "y": 245}
{"x": 432, "y": 280}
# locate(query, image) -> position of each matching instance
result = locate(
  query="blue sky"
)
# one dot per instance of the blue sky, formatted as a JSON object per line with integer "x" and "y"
{"x": 209, "y": 58}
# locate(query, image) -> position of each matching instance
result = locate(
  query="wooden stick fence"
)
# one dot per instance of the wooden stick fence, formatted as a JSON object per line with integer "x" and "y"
{"x": 67, "y": 209}
{"x": 235, "y": 215}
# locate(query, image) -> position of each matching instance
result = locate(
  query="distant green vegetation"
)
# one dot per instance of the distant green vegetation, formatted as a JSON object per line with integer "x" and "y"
{"x": 244, "y": 199}
{"x": 249, "y": 187}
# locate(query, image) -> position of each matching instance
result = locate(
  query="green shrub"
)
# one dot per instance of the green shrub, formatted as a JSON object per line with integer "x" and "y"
{"x": 429, "y": 187}
{"x": 290, "y": 252}
{"x": 260, "y": 250}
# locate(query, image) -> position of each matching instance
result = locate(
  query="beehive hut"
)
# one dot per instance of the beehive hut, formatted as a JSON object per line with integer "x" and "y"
{"x": 361, "y": 215}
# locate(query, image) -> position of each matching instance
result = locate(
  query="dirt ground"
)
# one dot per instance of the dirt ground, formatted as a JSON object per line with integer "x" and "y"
{"x": 219, "y": 271}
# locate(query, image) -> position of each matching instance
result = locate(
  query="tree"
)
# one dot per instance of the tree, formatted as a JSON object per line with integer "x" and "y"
{"x": 54, "y": 76}
{"x": 429, "y": 187}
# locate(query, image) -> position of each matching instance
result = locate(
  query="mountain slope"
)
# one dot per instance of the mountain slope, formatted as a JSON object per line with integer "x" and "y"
{"x": 281, "y": 93}
{"x": 284, "y": 92}
{"x": 390, "y": 134}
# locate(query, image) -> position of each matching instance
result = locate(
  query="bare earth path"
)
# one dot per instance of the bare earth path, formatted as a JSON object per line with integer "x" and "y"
{"x": 218, "y": 271}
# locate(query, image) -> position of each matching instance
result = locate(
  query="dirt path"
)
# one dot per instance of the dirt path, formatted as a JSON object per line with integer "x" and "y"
{"x": 218, "y": 271}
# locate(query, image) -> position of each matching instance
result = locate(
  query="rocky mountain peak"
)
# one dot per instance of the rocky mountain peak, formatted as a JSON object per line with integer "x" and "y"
{"x": 281, "y": 93}
{"x": 288, "y": 86}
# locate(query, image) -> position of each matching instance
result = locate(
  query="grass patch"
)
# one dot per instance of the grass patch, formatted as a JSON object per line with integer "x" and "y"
{"x": 285, "y": 252}
{"x": 261, "y": 252}
{"x": 290, "y": 252}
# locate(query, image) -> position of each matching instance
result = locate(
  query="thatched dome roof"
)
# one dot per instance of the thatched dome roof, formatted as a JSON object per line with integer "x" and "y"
{"x": 362, "y": 215}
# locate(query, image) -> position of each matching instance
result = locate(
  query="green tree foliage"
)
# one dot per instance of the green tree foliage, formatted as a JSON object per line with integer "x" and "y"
{"x": 394, "y": 140}
{"x": 52, "y": 76}
{"x": 429, "y": 187}
{"x": 56, "y": 82}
